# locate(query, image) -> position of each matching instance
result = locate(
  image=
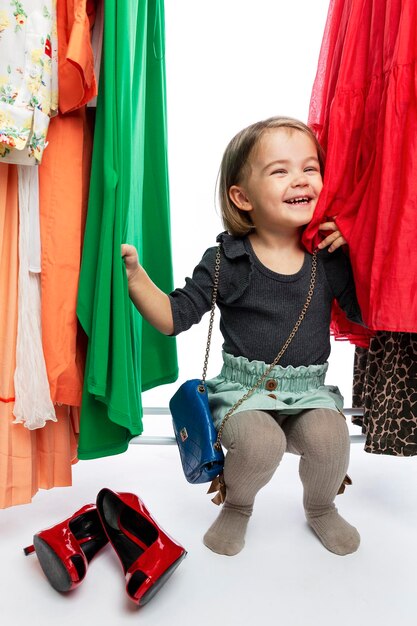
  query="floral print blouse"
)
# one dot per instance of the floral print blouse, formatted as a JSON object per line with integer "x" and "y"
{"x": 28, "y": 78}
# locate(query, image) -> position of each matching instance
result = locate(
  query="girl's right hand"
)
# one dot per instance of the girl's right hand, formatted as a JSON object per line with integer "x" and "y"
{"x": 152, "y": 303}
{"x": 131, "y": 260}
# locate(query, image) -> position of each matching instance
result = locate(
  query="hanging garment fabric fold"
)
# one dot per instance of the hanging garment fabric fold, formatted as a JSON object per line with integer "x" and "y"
{"x": 64, "y": 177}
{"x": 364, "y": 110}
{"x": 128, "y": 202}
{"x": 63, "y": 183}
{"x": 77, "y": 78}
{"x": 97, "y": 43}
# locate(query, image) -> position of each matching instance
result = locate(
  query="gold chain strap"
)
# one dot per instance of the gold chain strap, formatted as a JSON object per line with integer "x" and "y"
{"x": 217, "y": 445}
{"x": 213, "y": 307}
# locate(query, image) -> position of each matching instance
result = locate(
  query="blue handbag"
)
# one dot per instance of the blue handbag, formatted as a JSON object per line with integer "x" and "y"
{"x": 195, "y": 433}
{"x": 200, "y": 451}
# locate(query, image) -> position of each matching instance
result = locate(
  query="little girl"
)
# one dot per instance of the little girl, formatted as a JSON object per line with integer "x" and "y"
{"x": 270, "y": 182}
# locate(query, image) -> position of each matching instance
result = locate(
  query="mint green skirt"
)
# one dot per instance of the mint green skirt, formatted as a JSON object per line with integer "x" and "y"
{"x": 288, "y": 390}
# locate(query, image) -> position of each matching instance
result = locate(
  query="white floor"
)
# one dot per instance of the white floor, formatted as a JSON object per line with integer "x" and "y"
{"x": 283, "y": 576}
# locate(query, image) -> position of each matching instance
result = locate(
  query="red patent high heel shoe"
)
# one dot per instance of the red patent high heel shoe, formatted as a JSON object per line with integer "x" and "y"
{"x": 148, "y": 555}
{"x": 65, "y": 550}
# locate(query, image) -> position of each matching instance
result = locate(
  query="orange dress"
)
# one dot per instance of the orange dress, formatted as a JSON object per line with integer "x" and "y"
{"x": 29, "y": 460}
{"x": 63, "y": 187}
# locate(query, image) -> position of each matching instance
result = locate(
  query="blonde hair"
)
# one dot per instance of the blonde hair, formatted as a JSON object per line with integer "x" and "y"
{"x": 234, "y": 162}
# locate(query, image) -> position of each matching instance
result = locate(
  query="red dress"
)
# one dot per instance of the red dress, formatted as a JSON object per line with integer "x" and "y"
{"x": 363, "y": 109}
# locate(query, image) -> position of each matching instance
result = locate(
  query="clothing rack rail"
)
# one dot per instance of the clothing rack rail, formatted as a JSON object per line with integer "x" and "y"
{"x": 160, "y": 440}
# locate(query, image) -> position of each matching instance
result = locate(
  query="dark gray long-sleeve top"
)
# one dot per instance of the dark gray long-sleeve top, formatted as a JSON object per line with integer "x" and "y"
{"x": 259, "y": 307}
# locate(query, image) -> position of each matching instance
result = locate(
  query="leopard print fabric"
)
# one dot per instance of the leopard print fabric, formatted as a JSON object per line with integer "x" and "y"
{"x": 385, "y": 385}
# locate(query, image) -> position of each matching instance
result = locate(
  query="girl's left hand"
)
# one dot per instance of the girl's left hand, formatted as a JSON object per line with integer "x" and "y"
{"x": 334, "y": 240}
{"x": 131, "y": 260}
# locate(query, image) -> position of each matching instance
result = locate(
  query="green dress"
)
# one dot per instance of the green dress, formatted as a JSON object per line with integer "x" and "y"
{"x": 128, "y": 202}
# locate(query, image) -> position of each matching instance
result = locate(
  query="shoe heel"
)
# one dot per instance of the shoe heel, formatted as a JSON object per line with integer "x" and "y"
{"x": 59, "y": 575}
{"x": 65, "y": 550}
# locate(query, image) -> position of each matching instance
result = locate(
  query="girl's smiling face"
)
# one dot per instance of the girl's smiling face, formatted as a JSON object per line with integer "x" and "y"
{"x": 281, "y": 181}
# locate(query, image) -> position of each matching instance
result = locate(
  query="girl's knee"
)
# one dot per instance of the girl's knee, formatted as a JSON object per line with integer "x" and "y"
{"x": 255, "y": 436}
{"x": 319, "y": 432}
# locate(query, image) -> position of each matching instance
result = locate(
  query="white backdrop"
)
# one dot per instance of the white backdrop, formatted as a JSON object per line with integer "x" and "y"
{"x": 229, "y": 63}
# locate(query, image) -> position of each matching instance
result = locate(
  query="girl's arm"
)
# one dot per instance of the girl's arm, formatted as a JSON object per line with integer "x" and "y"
{"x": 339, "y": 276}
{"x": 152, "y": 303}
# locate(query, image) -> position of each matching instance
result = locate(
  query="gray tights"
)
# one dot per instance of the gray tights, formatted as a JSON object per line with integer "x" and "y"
{"x": 255, "y": 443}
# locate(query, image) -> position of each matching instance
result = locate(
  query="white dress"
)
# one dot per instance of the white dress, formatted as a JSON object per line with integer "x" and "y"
{"x": 33, "y": 405}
